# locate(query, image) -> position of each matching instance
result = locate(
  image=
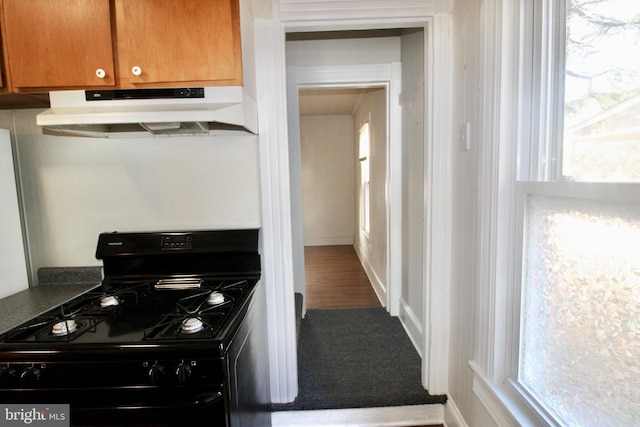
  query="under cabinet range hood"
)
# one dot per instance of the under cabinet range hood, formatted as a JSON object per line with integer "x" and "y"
{"x": 126, "y": 113}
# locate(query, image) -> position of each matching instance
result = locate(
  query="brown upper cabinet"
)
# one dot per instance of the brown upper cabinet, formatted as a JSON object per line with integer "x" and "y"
{"x": 65, "y": 44}
{"x": 58, "y": 43}
{"x": 163, "y": 41}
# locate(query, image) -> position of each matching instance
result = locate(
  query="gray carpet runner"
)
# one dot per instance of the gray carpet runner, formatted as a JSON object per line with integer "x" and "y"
{"x": 356, "y": 358}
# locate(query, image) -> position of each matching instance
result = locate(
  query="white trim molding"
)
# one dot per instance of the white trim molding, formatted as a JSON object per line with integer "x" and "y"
{"x": 497, "y": 175}
{"x": 452, "y": 415}
{"x": 310, "y": 15}
{"x": 378, "y": 286}
{"x": 342, "y": 75}
{"x": 491, "y": 402}
{"x": 412, "y": 326}
{"x": 276, "y": 212}
{"x": 438, "y": 202}
{"x": 329, "y": 15}
{"x": 368, "y": 75}
{"x": 502, "y": 402}
{"x": 391, "y": 416}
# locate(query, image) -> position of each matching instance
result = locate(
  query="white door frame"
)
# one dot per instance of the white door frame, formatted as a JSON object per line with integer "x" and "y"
{"x": 350, "y": 76}
{"x": 435, "y": 17}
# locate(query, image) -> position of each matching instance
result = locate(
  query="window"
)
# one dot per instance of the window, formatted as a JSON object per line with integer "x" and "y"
{"x": 578, "y": 344}
{"x": 364, "y": 143}
{"x": 602, "y": 91}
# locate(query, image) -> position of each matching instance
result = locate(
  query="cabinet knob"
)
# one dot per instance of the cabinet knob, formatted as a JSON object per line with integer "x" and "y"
{"x": 100, "y": 73}
{"x": 136, "y": 71}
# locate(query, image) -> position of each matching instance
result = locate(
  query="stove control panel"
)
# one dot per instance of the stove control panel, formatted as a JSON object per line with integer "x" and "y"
{"x": 171, "y": 372}
{"x": 146, "y": 373}
{"x": 177, "y": 241}
{"x": 21, "y": 375}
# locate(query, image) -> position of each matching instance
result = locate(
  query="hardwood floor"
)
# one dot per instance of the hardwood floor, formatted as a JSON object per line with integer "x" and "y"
{"x": 335, "y": 278}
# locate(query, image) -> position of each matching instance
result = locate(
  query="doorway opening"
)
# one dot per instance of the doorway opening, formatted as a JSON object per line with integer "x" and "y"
{"x": 429, "y": 49}
{"x": 389, "y": 64}
{"x": 343, "y": 140}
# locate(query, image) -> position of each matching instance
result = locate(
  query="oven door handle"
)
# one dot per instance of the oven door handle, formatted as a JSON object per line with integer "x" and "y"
{"x": 187, "y": 412}
{"x": 199, "y": 401}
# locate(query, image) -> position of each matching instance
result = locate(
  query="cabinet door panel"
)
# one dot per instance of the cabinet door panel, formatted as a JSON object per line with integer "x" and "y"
{"x": 58, "y": 43}
{"x": 178, "y": 41}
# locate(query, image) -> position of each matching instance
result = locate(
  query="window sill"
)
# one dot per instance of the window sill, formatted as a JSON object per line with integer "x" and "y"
{"x": 503, "y": 402}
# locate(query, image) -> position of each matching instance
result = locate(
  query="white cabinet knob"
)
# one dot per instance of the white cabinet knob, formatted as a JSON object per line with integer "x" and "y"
{"x": 136, "y": 71}
{"x": 100, "y": 73}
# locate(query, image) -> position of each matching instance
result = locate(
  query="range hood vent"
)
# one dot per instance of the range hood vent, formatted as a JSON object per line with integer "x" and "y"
{"x": 161, "y": 93}
{"x": 127, "y": 113}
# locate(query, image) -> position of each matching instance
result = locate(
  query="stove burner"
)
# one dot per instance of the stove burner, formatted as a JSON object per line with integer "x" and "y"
{"x": 199, "y": 313}
{"x": 215, "y": 298}
{"x": 191, "y": 325}
{"x": 63, "y": 328}
{"x": 109, "y": 301}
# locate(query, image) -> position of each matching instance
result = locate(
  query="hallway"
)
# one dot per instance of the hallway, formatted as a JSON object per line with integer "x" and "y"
{"x": 335, "y": 278}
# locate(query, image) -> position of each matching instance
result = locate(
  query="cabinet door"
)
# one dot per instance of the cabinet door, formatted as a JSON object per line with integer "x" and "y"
{"x": 58, "y": 43}
{"x": 168, "y": 41}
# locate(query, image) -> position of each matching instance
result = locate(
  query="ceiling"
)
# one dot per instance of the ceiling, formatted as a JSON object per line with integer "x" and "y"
{"x": 330, "y": 102}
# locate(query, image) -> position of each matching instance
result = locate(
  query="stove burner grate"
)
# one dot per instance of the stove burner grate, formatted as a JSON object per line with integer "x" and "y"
{"x": 53, "y": 329}
{"x": 110, "y": 298}
{"x": 176, "y": 326}
{"x": 199, "y": 314}
{"x": 79, "y": 315}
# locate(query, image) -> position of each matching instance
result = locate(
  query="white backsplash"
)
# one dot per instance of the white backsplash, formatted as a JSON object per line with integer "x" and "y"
{"x": 76, "y": 188}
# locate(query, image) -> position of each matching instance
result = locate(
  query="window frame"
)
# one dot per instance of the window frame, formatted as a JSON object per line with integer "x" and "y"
{"x": 536, "y": 57}
{"x": 523, "y": 84}
{"x": 541, "y": 81}
{"x": 365, "y": 185}
{"x": 601, "y": 191}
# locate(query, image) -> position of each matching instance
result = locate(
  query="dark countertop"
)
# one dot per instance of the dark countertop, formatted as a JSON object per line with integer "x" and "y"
{"x": 56, "y": 285}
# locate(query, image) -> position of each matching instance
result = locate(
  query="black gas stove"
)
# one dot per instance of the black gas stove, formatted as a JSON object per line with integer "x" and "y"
{"x": 159, "y": 341}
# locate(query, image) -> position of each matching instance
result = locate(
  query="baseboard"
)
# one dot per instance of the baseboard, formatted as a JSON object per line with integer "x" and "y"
{"x": 395, "y": 416}
{"x": 378, "y": 286}
{"x": 452, "y": 415}
{"x": 412, "y": 325}
{"x": 328, "y": 241}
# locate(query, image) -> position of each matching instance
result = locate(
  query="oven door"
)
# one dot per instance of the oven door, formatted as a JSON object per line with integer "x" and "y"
{"x": 171, "y": 406}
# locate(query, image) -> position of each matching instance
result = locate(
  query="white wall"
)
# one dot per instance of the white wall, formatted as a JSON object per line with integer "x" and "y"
{"x": 412, "y": 100}
{"x": 327, "y": 150}
{"x": 76, "y": 188}
{"x": 378, "y": 50}
{"x": 13, "y": 266}
{"x": 372, "y": 249}
{"x": 466, "y": 199}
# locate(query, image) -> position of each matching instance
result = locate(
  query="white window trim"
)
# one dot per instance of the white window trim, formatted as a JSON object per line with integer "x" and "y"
{"x": 364, "y": 210}
{"x": 505, "y": 120}
{"x": 507, "y": 76}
